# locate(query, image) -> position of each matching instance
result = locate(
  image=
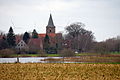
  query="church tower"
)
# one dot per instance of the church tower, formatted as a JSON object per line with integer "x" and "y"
{"x": 50, "y": 28}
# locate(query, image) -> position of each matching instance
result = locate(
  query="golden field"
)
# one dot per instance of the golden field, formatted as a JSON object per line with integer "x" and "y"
{"x": 57, "y": 71}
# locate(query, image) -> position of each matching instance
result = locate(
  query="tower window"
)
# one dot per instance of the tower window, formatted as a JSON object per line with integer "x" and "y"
{"x": 50, "y": 30}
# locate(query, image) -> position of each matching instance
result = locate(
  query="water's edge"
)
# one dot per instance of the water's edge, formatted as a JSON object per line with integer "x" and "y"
{"x": 32, "y": 60}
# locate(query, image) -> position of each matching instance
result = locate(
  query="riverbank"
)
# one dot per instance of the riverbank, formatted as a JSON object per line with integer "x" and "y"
{"x": 57, "y": 55}
{"x": 42, "y": 71}
{"x": 87, "y": 59}
{"x": 30, "y": 55}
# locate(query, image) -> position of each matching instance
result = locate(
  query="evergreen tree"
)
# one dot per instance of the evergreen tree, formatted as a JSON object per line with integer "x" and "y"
{"x": 34, "y": 34}
{"x": 26, "y": 37}
{"x": 46, "y": 43}
{"x": 46, "y": 39}
{"x": 11, "y": 38}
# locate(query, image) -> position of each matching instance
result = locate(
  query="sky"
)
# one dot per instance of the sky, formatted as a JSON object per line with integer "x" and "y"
{"x": 102, "y": 17}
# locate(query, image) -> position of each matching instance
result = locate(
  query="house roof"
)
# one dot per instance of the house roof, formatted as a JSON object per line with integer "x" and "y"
{"x": 50, "y": 35}
{"x": 50, "y": 22}
{"x": 35, "y": 42}
{"x": 18, "y": 38}
{"x": 22, "y": 43}
{"x": 41, "y": 35}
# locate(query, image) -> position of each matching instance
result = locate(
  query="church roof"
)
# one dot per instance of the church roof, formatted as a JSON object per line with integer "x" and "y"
{"x": 41, "y": 35}
{"x": 50, "y": 22}
{"x": 50, "y": 35}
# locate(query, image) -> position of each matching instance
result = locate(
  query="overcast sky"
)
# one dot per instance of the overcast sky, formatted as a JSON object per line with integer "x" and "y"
{"x": 102, "y": 17}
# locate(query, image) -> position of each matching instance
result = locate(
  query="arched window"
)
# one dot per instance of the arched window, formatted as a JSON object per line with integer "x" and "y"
{"x": 50, "y": 30}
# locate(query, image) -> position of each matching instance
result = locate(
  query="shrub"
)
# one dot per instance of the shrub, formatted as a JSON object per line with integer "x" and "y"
{"x": 6, "y": 53}
{"x": 67, "y": 53}
{"x": 42, "y": 53}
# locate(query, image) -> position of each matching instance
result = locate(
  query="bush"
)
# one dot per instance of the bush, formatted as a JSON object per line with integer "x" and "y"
{"x": 42, "y": 53}
{"x": 67, "y": 53}
{"x": 6, "y": 53}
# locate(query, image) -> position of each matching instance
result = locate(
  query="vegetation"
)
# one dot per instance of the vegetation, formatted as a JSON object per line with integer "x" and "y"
{"x": 46, "y": 43}
{"x": 115, "y": 53}
{"x": 7, "y": 53}
{"x": 11, "y": 38}
{"x": 67, "y": 53}
{"x": 34, "y": 34}
{"x": 42, "y": 53}
{"x": 35, "y": 71}
{"x": 3, "y": 43}
{"x": 26, "y": 37}
{"x": 88, "y": 58}
{"x": 77, "y": 39}
{"x": 111, "y": 45}
{"x": 81, "y": 39}
{"x": 53, "y": 55}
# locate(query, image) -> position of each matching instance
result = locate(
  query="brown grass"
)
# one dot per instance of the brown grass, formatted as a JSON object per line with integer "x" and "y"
{"x": 90, "y": 59}
{"x": 39, "y": 71}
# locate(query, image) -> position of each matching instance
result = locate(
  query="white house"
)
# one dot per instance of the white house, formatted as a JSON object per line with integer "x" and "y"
{"x": 22, "y": 45}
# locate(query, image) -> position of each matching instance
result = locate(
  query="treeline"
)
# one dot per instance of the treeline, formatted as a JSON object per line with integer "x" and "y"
{"x": 110, "y": 45}
{"x": 81, "y": 40}
{"x": 9, "y": 40}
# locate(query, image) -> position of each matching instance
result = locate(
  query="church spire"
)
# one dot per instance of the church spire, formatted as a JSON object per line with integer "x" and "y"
{"x": 50, "y": 28}
{"x": 50, "y": 22}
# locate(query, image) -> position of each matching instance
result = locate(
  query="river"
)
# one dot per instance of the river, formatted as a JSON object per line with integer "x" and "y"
{"x": 26, "y": 60}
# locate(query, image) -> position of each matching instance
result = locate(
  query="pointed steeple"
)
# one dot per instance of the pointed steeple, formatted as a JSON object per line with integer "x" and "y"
{"x": 50, "y": 22}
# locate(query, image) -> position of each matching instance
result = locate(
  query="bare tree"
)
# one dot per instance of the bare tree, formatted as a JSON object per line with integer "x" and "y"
{"x": 110, "y": 45}
{"x": 80, "y": 38}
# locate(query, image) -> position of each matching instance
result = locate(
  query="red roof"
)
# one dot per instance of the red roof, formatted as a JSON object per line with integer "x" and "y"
{"x": 35, "y": 43}
{"x": 18, "y": 38}
{"x": 41, "y": 35}
{"x": 50, "y": 34}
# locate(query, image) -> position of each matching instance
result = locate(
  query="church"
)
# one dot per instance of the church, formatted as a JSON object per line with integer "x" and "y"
{"x": 51, "y": 42}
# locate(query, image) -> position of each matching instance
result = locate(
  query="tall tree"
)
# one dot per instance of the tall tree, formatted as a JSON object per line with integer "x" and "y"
{"x": 80, "y": 38}
{"x": 11, "y": 38}
{"x": 75, "y": 29}
{"x": 34, "y": 34}
{"x": 26, "y": 37}
{"x": 46, "y": 43}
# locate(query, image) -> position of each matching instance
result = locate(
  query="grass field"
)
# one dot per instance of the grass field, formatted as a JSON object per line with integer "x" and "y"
{"x": 58, "y": 55}
{"x": 40, "y": 71}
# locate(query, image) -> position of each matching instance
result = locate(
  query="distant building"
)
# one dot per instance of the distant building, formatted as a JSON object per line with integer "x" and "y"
{"x": 35, "y": 44}
{"x": 22, "y": 46}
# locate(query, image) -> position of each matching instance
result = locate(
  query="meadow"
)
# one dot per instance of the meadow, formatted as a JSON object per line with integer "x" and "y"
{"x": 58, "y": 71}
